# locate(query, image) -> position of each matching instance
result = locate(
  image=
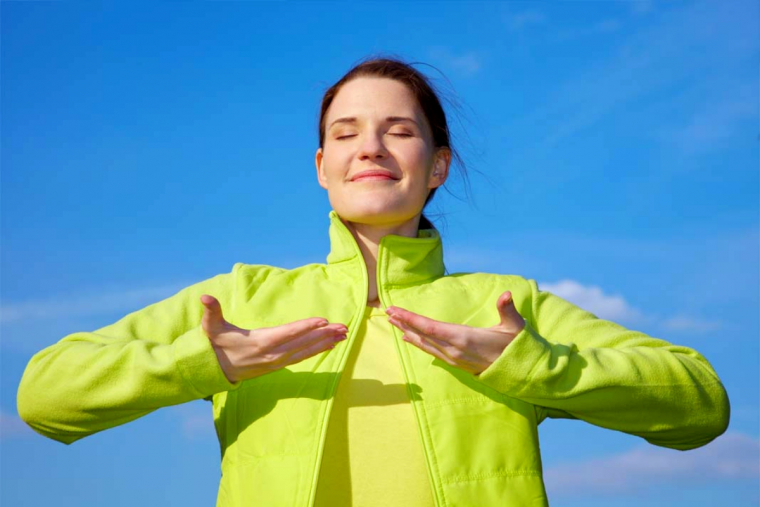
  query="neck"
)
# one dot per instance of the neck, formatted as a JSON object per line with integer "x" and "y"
{"x": 368, "y": 238}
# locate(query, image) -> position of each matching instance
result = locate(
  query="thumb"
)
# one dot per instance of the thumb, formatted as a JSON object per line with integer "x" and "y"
{"x": 213, "y": 318}
{"x": 507, "y": 311}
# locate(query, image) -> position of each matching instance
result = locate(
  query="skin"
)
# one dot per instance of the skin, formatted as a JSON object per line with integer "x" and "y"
{"x": 374, "y": 208}
{"x": 371, "y": 209}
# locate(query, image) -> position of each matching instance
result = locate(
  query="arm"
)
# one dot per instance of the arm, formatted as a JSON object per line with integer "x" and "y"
{"x": 572, "y": 364}
{"x": 154, "y": 357}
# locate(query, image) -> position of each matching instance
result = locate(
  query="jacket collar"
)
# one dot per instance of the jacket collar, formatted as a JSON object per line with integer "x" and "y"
{"x": 400, "y": 260}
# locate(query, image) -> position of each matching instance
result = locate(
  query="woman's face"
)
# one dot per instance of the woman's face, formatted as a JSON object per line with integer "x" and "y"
{"x": 377, "y": 124}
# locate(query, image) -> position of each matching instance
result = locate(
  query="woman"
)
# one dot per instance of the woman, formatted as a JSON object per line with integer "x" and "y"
{"x": 447, "y": 376}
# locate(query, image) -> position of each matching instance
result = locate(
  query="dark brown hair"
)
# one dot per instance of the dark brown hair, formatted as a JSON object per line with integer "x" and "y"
{"x": 422, "y": 89}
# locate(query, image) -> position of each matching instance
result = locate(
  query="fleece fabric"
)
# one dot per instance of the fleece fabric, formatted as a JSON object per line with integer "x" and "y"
{"x": 478, "y": 432}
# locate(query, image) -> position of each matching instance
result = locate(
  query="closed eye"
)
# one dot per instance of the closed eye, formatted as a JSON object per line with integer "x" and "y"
{"x": 354, "y": 135}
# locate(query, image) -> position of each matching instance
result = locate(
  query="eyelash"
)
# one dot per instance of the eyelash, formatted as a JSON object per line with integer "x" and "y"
{"x": 400, "y": 135}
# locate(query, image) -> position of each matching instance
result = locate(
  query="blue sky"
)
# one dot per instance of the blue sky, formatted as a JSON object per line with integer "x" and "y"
{"x": 612, "y": 153}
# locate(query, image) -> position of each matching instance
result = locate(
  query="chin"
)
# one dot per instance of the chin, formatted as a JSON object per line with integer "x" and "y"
{"x": 371, "y": 214}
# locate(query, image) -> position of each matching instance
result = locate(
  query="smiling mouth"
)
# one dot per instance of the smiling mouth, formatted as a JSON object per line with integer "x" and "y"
{"x": 374, "y": 177}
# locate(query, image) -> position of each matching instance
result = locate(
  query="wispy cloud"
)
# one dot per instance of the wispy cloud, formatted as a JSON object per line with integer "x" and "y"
{"x": 464, "y": 64}
{"x": 603, "y": 27}
{"x": 11, "y": 426}
{"x": 196, "y": 419}
{"x": 717, "y": 121}
{"x": 519, "y": 20}
{"x": 87, "y": 305}
{"x": 685, "y": 323}
{"x": 733, "y": 456}
{"x": 594, "y": 300}
{"x": 640, "y": 7}
{"x": 678, "y": 45}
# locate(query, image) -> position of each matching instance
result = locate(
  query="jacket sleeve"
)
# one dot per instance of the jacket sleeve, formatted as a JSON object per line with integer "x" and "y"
{"x": 571, "y": 364}
{"x": 154, "y": 357}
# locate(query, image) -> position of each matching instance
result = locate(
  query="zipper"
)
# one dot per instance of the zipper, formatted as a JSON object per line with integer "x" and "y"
{"x": 384, "y": 300}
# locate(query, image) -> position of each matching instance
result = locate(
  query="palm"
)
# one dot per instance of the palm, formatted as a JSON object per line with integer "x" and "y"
{"x": 469, "y": 348}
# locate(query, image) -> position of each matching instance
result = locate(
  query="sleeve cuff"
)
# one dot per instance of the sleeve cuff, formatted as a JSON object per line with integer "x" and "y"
{"x": 198, "y": 364}
{"x": 511, "y": 370}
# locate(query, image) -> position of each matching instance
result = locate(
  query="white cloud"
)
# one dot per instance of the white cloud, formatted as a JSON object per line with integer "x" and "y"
{"x": 732, "y": 456}
{"x": 85, "y": 305}
{"x": 594, "y": 300}
{"x": 617, "y": 309}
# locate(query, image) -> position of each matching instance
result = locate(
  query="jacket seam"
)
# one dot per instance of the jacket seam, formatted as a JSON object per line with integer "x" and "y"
{"x": 554, "y": 398}
{"x": 493, "y": 475}
{"x": 412, "y": 284}
{"x": 454, "y": 401}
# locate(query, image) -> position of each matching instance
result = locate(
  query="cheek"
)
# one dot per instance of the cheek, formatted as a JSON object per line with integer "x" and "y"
{"x": 334, "y": 167}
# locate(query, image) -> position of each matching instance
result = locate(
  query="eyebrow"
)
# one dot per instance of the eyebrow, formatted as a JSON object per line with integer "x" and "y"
{"x": 352, "y": 119}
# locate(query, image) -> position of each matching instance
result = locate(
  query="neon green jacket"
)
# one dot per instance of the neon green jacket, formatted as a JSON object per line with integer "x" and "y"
{"x": 479, "y": 432}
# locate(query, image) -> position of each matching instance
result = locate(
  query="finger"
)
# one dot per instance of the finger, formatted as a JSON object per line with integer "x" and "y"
{"x": 419, "y": 337}
{"x": 212, "y": 306}
{"x": 509, "y": 317}
{"x": 336, "y": 332}
{"x": 442, "y": 331}
{"x": 280, "y": 335}
{"x": 311, "y": 350}
{"x": 502, "y": 306}
{"x": 426, "y": 347}
{"x": 213, "y": 318}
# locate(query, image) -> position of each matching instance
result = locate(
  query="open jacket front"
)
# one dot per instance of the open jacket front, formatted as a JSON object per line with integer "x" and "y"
{"x": 479, "y": 432}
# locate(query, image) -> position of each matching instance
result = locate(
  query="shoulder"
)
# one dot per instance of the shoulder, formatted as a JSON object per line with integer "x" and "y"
{"x": 494, "y": 280}
{"x": 260, "y": 274}
{"x": 489, "y": 286}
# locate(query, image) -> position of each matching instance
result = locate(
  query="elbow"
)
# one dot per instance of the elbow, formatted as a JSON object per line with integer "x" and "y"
{"x": 34, "y": 417}
{"x": 708, "y": 422}
{"x": 717, "y": 416}
{"x": 37, "y": 414}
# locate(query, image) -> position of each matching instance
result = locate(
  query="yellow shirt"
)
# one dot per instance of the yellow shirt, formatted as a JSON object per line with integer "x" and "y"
{"x": 373, "y": 452}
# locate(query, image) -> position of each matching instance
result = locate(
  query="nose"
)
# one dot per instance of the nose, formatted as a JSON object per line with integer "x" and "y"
{"x": 372, "y": 147}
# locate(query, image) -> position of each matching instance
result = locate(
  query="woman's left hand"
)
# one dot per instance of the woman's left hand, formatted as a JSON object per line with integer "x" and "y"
{"x": 472, "y": 349}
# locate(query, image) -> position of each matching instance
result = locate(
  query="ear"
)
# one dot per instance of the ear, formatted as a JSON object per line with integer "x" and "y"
{"x": 440, "y": 168}
{"x": 321, "y": 178}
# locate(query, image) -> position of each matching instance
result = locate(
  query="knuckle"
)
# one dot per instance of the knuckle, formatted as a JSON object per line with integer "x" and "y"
{"x": 455, "y": 353}
{"x": 429, "y": 328}
{"x": 460, "y": 342}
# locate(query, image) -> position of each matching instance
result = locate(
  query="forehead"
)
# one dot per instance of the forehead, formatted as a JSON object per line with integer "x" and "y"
{"x": 370, "y": 97}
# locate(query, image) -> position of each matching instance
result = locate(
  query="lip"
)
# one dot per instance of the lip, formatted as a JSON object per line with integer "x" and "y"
{"x": 375, "y": 174}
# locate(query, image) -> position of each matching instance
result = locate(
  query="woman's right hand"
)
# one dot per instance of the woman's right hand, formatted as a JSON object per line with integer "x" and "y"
{"x": 244, "y": 354}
